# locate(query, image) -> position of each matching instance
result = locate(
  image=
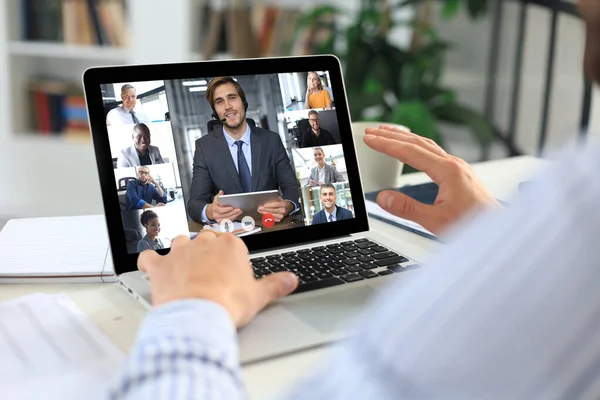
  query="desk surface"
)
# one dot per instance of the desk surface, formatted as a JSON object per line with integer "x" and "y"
{"x": 119, "y": 315}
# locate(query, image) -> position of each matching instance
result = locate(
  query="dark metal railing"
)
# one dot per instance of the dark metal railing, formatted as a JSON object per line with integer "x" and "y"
{"x": 556, "y": 8}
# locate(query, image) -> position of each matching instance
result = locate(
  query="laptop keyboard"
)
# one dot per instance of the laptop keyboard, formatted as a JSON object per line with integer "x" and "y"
{"x": 334, "y": 264}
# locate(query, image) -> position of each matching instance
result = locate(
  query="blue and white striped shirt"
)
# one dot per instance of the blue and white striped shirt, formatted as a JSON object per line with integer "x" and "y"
{"x": 509, "y": 309}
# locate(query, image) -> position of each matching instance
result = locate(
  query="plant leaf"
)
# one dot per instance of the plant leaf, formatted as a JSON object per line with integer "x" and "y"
{"x": 450, "y": 8}
{"x": 477, "y": 8}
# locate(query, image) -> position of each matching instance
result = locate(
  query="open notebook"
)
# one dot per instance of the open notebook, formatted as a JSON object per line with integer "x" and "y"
{"x": 58, "y": 249}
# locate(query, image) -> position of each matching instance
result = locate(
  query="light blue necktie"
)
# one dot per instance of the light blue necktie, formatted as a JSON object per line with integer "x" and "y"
{"x": 243, "y": 170}
{"x": 330, "y": 217}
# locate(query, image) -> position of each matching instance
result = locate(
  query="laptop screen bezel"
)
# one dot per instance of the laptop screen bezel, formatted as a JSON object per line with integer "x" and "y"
{"x": 93, "y": 78}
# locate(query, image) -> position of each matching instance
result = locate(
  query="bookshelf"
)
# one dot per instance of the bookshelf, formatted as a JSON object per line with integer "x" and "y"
{"x": 48, "y": 175}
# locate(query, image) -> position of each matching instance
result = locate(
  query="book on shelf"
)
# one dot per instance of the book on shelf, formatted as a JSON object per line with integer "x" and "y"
{"x": 58, "y": 108}
{"x": 80, "y": 22}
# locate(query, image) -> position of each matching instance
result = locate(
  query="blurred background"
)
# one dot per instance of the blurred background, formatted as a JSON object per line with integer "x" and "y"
{"x": 486, "y": 79}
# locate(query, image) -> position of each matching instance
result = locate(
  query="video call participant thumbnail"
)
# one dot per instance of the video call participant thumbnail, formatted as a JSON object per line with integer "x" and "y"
{"x": 150, "y": 241}
{"x": 237, "y": 158}
{"x": 144, "y": 189}
{"x": 330, "y": 212}
{"x": 141, "y": 152}
{"x": 315, "y": 135}
{"x": 316, "y": 95}
{"x": 323, "y": 173}
{"x": 126, "y": 113}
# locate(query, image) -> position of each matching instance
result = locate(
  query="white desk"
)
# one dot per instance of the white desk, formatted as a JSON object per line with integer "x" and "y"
{"x": 119, "y": 315}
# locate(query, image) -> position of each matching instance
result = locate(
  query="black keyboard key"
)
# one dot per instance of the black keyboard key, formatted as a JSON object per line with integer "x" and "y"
{"x": 306, "y": 256}
{"x": 321, "y": 268}
{"x": 320, "y": 253}
{"x": 352, "y": 277}
{"x": 347, "y": 243}
{"x": 304, "y": 251}
{"x": 392, "y": 260}
{"x": 365, "y": 245}
{"x": 305, "y": 287}
{"x": 278, "y": 268}
{"x": 259, "y": 264}
{"x": 352, "y": 254}
{"x": 338, "y": 272}
{"x": 386, "y": 272}
{"x": 369, "y": 266}
{"x": 258, "y": 259}
{"x": 261, "y": 271}
{"x": 368, "y": 274}
{"x": 319, "y": 248}
{"x": 309, "y": 278}
{"x": 361, "y": 240}
{"x": 364, "y": 259}
{"x": 330, "y": 246}
{"x": 385, "y": 254}
{"x": 323, "y": 275}
{"x": 274, "y": 257}
{"x": 379, "y": 249}
{"x": 304, "y": 271}
{"x": 335, "y": 250}
{"x": 289, "y": 253}
{"x": 350, "y": 261}
{"x": 276, "y": 261}
{"x": 348, "y": 248}
{"x": 353, "y": 268}
{"x": 336, "y": 265}
{"x": 338, "y": 257}
{"x": 366, "y": 252}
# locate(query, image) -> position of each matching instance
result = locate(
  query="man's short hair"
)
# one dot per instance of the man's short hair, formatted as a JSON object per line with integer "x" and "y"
{"x": 319, "y": 148}
{"x": 221, "y": 80}
{"x": 147, "y": 216}
{"x": 126, "y": 87}
{"x": 312, "y": 112}
{"x": 140, "y": 167}
{"x": 140, "y": 126}
{"x": 327, "y": 185}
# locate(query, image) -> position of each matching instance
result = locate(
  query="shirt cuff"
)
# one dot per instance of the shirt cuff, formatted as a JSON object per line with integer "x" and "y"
{"x": 296, "y": 208}
{"x": 201, "y": 320}
{"x": 204, "y": 217}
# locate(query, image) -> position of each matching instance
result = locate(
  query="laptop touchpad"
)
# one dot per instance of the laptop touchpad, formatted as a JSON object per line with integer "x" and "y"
{"x": 331, "y": 312}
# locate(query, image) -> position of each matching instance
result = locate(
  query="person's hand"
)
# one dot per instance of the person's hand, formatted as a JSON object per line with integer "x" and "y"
{"x": 152, "y": 181}
{"x": 216, "y": 212}
{"x": 279, "y": 209}
{"x": 312, "y": 182}
{"x": 460, "y": 191}
{"x": 160, "y": 205}
{"x": 216, "y": 269}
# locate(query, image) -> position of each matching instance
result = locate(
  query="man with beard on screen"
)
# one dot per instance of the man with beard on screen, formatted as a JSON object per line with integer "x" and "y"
{"x": 237, "y": 158}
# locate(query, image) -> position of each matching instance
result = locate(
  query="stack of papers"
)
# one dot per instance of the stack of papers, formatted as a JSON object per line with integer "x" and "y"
{"x": 61, "y": 249}
{"x": 51, "y": 350}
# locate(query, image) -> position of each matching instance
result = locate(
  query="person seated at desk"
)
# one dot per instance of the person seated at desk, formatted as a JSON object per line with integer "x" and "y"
{"x": 315, "y": 135}
{"x": 316, "y": 95}
{"x": 150, "y": 241}
{"x": 141, "y": 152}
{"x": 126, "y": 113}
{"x": 236, "y": 158}
{"x": 141, "y": 191}
{"x": 330, "y": 212}
{"x": 323, "y": 174}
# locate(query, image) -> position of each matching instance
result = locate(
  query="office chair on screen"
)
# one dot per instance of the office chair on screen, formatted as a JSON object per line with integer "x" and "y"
{"x": 213, "y": 124}
{"x": 122, "y": 191}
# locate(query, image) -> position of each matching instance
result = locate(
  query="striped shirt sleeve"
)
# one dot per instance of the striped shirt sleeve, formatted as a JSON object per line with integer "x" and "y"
{"x": 184, "y": 350}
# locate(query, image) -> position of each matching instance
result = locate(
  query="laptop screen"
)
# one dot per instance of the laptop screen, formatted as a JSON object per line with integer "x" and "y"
{"x": 248, "y": 154}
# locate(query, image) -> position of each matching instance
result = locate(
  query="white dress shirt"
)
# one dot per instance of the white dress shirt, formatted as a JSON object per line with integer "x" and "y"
{"x": 120, "y": 116}
{"x": 509, "y": 308}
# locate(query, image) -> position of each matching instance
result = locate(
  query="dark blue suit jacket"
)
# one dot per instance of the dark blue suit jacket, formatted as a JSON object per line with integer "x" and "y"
{"x": 215, "y": 170}
{"x": 340, "y": 214}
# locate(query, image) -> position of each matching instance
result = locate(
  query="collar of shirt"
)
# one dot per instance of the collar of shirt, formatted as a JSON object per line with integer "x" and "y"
{"x": 334, "y": 213}
{"x": 245, "y": 137}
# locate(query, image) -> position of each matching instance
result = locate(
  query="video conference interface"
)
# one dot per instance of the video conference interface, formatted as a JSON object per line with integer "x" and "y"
{"x": 246, "y": 154}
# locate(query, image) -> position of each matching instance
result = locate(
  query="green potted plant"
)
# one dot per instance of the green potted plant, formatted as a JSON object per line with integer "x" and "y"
{"x": 387, "y": 83}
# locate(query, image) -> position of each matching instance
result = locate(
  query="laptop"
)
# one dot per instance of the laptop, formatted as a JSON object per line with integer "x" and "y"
{"x": 175, "y": 150}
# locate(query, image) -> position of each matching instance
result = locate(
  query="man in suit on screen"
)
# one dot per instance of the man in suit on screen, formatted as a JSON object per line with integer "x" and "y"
{"x": 237, "y": 158}
{"x": 331, "y": 212}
